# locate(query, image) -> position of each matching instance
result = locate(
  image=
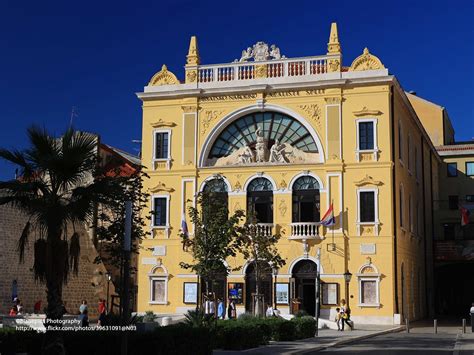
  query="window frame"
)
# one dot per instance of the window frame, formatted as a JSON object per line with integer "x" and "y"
{"x": 164, "y": 276}
{"x": 168, "y": 158}
{"x": 166, "y": 227}
{"x": 400, "y": 143}
{"x": 376, "y": 221}
{"x": 371, "y": 277}
{"x": 447, "y": 169}
{"x": 375, "y": 149}
{"x": 466, "y": 163}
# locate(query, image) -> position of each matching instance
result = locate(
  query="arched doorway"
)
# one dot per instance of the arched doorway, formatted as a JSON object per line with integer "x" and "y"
{"x": 265, "y": 285}
{"x": 260, "y": 200}
{"x": 304, "y": 285}
{"x": 306, "y": 200}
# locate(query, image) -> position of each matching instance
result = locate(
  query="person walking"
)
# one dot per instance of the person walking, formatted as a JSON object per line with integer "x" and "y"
{"x": 84, "y": 318}
{"x": 338, "y": 318}
{"x": 471, "y": 311}
{"x": 220, "y": 309}
{"x": 345, "y": 313}
{"x": 83, "y": 306}
{"x": 231, "y": 310}
{"x": 102, "y": 309}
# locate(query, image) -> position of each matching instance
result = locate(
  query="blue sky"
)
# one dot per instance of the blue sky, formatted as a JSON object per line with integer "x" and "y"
{"x": 96, "y": 55}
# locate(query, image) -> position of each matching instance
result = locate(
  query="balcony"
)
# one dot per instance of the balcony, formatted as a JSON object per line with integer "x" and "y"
{"x": 304, "y": 231}
{"x": 263, "y": 228}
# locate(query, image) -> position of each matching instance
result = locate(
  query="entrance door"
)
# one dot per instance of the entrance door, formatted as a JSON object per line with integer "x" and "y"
{"x": 304, "y": 273}
{"x": 265, "y": 286}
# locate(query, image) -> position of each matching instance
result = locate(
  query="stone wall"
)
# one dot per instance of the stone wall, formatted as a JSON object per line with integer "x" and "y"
{"x": 90, "y": 284}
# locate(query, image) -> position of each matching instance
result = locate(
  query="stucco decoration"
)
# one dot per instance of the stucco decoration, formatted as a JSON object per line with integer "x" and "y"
{"x": 207, "y": 118}
{"x": 279, "y": 153}
{"x": 282, "y": 207}
{"x": 368, "y": 180}
{"x": 366, "y": 61}
{"x": 161, "y": 123}
{"x": 367, "y": 112}
{"x": 160, "y": 187}
{"x": 163, "y": 77}
{"x": 260, "y": 51}
{"x": 314, "y": 112}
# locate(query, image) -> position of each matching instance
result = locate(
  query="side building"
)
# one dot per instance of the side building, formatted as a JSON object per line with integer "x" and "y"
{"x": 290, "y": 136}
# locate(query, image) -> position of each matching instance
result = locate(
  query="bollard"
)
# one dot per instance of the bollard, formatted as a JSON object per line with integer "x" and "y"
{"x": 435, "y": 325}
{"x": 407, "y": 325}
{"x": 464, "y": 326}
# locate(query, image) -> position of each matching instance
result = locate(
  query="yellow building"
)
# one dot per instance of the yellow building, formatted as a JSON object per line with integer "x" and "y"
{"x": 289, "y": 136}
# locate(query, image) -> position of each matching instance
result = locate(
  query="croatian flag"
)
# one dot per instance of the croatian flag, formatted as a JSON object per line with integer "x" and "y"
{"x": 184, "y": 226}
{"x": 464, "y": 216}
{"x": 328, "y": 218}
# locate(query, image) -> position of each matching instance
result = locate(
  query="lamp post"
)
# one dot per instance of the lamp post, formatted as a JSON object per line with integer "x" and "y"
{"x": 347, "y": 278}
{"x": 275, "y": 274}
{"x": 317, "y": 286}
{"x": 109, "y": 277}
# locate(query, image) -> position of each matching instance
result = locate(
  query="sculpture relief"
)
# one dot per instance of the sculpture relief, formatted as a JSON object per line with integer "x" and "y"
{"x": 260, "y": 147}
{"x": 260, "y": 52}
{"x": 282, "y": 207}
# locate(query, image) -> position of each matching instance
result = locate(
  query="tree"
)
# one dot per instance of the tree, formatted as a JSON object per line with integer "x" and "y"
{"x": 256, "y": 246}
{"x": 214, "y": 236}
{"x": 58, "y": 188}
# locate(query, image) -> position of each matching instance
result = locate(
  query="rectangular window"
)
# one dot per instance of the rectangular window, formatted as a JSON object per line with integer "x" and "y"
{"x": 159, "y": 211}
{"x": 158, "y": 290}
{"x": 410, "y": 212}
{"x": 470, "y": 168}
{"x": 400, "y": 142}
{"x": 469, "y": 198}
{"x": 453, "y": 202}
{"x": 368, "y": 292}
{"x": 401, "y": 207}
{"x": 452, "y": 169}
{"x": 330, "y": 293}
{"x": 409, "y": 153}
{"x": 367, "y": 206}
{"x": 366, "y": 135}
{"x": 161, "y": 145}
{"x": 449, "y": 231}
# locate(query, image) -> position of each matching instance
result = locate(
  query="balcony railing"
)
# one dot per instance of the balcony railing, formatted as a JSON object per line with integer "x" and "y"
{"x": 264, "y": 69}
{"x": 304, "y": 230}
{"x": 263, "y": 228}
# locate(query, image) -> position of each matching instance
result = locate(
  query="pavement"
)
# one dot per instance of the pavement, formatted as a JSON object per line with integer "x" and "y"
{"x": 326, "y": 338}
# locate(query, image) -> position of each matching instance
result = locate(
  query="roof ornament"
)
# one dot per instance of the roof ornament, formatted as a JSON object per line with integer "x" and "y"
{"x": 260, "y": 52}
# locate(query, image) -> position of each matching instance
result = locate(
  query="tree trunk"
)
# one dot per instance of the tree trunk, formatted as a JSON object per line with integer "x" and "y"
{"x": 54, "y": 276}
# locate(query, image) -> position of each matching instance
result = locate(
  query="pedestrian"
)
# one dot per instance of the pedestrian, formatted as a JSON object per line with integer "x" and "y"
{"x": 19, "y": 308}
{"x": 37, "y": 307}
{"x": 345, "y": 314}
{"x": 471, "y": 311}
{"x": 84, "y": 318}
{"x": 83, "y": 307}
{"x": 269, "y": 312}
{"x": 13, "y": 311}
{"x": 231, "y": 310}
{"x": 220, "y": 309}
{"x": 338, "y": 318}
{"x": 101, "y": 321}
{"x": 212, "y": 306}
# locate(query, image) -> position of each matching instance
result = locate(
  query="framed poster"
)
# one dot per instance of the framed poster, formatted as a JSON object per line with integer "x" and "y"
{"x": 282, "y": 292}
{"x": 235, "y": 292}
{"x": 329, "y": 293}
{"x": 190, "y": 292}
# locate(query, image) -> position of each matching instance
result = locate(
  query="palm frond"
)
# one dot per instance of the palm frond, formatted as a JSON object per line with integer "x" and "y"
{"x": 18, "y": 158}
{"x": 23, "y": 241}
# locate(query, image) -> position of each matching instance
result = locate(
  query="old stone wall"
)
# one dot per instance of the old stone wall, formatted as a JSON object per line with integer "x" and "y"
{"x": 90, "y": 284}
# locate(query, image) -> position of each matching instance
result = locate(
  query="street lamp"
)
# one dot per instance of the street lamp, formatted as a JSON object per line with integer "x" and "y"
{"x": 108, "y": 275}
{"x": 347, "y": 278}
{"x": 275, "y": 274}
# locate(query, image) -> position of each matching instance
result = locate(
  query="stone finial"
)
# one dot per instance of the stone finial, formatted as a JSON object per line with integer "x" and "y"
{"x": 193, "y": 53}
{"x": 334, "y": 47}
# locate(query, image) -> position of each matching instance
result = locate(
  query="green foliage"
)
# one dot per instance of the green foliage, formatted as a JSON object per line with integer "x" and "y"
{"x": 301, "y": 313}
{"x": 215, "y": 232}
{"x": 197, "y": 318}
{"x": 149, "y": 316}
{"x": 305, "y": 327}
{"x": 239, "y": 335}
{"x": 284, "y": 331}
{"x": 247, "y": 317}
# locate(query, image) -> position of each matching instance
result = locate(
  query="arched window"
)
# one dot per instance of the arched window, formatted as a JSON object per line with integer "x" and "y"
{"x": 216, "y": 196}
{"x": 260, "y": 200}
{"x": 306, "y": 200}
{"x": 275, "y": 126}
{"x": 265, "y": 284}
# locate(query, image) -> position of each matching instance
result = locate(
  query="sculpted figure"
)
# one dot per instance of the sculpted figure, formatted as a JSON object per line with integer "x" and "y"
{"x": 247, "y": 156}
{"x": 246, "y": 54}
{"x": 260, "y": 147}
{"x": 277, "y": 153}
{"x": 275, "y": 52}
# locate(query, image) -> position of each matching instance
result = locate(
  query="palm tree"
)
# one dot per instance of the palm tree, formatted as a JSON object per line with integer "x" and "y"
{"x": 58, "y": 187}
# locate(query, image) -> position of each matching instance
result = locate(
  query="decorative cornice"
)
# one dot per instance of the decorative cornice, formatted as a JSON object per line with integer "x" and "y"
{"x": 333, "y": 100}
{"x": 366, "y": 61}
{"x": 163, "y": 77}
{"x": 161, "y": 123}
{"x": 368, "y": 180}
{"x": 160, "y": 187}
{"x": 189, "y": 109}
{"x": 366, "y": 112}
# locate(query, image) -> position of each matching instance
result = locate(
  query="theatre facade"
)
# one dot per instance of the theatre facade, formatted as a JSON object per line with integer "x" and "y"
{"x": 284, "y": 138}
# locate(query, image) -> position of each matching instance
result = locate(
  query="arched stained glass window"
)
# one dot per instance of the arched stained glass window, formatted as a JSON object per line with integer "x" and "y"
{"x": 215, "y": 185}
{"x": 274, "y": 125}
{"x": 306, "y": 183}
{"x": 260, "y": 184}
